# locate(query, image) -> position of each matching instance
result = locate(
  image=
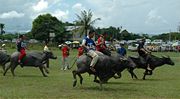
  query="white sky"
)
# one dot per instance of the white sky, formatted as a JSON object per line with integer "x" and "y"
{"x": 137, "y": 16}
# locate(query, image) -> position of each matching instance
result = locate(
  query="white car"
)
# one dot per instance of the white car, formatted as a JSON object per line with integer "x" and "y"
{"x": 133, "y": 47}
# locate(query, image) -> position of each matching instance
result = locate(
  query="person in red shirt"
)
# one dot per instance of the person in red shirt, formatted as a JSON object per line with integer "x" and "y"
{"x": 80, "y": 51}
{"x": 100, "y": 43}
{"x": 101, "y": 46}
{"x": 21, "y": 47}
{"x": 65, "y": 53}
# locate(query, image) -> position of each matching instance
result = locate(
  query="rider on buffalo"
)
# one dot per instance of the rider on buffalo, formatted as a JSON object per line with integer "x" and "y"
{"x": 21, "y": 47}
{"x": 89, "y": 45}
{"x": 143, "y": 52}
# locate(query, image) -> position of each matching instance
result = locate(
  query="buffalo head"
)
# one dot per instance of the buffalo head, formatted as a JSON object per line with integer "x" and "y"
{"x": 168, "y": 60}
{"x": 127, "y": 62}
{"x": 50, "y": 55}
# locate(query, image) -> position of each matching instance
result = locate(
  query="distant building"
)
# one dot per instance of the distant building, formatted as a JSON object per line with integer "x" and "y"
{"x": 73, "y": 34}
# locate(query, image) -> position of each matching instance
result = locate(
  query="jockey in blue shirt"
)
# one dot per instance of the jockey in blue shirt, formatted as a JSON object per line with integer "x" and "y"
{"x": 121, "y": 50}
{"x": 90, "y": 48}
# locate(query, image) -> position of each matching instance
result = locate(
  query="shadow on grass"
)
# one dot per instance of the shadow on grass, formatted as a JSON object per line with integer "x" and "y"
{"x": 119, "y": 83}
{"x": 25, "y": 76}
{"x": 152, "y": 79}
{"x": 107, "y": 88}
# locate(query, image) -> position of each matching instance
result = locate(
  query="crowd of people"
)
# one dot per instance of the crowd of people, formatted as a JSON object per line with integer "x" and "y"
{"x": 88, "y": 46}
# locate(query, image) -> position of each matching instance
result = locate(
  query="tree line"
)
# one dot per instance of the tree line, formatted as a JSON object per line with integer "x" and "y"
{"x": 46, "y": 24}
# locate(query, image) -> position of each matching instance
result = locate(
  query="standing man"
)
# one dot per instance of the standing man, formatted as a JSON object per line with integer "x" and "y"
{"x": 80, "y": 51}
{"x": 46, "y": 49}
{"x": 89, "y": 46}
{"x": 3, "y": 48}
{"x": 65, "y": 53}
{"x": 21, "y": 47}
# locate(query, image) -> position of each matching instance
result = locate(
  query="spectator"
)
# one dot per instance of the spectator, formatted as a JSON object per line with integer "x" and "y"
{"x": 3, "y": 48}
{"x": 65, "y": 53}
{"x": 80, "y": 51}
{"x": 46, "y": 49}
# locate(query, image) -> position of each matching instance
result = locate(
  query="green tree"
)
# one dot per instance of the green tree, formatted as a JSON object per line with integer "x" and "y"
{"x": 166, "y": 36}
{"x": 2, "y": 28}
{"x": 45, "y": 24}
{"x": 10, "y": 36}
{"x": 146, "y": 36}
{"x": 85, "y": 21}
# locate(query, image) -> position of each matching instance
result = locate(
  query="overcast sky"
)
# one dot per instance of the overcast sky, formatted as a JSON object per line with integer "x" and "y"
{"x": 137, "y": 16}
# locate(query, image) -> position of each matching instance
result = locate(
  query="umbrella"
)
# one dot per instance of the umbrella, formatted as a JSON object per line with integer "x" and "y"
{"x": 68, "y": 42}
{"x": 75, "y": 42}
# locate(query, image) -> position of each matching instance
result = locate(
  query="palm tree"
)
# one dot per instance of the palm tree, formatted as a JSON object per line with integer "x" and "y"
{"x": 85, "y": 21}
{"x": 1, "y": 28}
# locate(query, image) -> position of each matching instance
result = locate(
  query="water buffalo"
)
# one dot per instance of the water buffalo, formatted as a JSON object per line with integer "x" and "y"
{"x": 153, "y": 62}
{"x": 106, "y": 67}
{"x": 32, "y": 59}
{"x": 4, "y": 58}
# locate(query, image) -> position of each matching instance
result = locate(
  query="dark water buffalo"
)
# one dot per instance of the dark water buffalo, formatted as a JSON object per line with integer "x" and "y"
{"x": 4, "y": 58}
{"x": 106, "y": 67}
{"x": 154, "y": 62}
{"x": 32, "y": 59}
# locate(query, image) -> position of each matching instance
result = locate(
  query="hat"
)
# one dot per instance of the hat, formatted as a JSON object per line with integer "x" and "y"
{"x": 60, "y": 45}
{"x": 3, "y": 44}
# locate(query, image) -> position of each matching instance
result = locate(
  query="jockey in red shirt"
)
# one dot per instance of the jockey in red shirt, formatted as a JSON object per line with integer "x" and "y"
{"x": 101, "y": 46}
{"x": 21, "y": 47}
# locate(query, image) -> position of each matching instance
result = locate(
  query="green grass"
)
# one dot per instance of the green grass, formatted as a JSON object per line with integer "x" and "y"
{"x": 29, "y": 83}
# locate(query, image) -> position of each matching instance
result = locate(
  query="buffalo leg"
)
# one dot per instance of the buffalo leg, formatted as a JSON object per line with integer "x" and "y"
{"x": 150, "y": 72}
{"x": 78, "y": 72}
{"x": 45, "y": 68}
{"x": 96, "y": 80}
{"x": 47, "y": 64}
{"x": 101, "y": 82}
{"x": 119, "y": 75}
{"x": 145, "y": 73}
{"x": 41, "y": 68}
{"x": 75, "y": 79}
{"x": 5, "y": 71}
{"x": 101, "y": 85}
{"x": 3, "y": 66}
{"x": 81, "y": 79}
{"x": 13, "y": 67}
{"x": 132, "y": 73}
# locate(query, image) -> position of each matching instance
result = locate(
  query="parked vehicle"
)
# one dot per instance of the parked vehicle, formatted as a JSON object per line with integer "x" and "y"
{"x": 133, "y": 47}
{"x": 33, "y": 41}
{"x": 176, "y": 46}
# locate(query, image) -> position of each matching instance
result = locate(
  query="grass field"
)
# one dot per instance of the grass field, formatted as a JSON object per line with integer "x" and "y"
{"x": 30, "y": 84}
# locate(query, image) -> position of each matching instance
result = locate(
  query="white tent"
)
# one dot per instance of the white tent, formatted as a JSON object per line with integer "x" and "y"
{"x": 68, "y": 42}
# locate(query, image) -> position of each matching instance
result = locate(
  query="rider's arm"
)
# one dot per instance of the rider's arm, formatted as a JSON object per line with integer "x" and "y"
{"x": 99, "y": 42}
{"x": 84, "y": 43}
{"x": 144, "y": 50}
